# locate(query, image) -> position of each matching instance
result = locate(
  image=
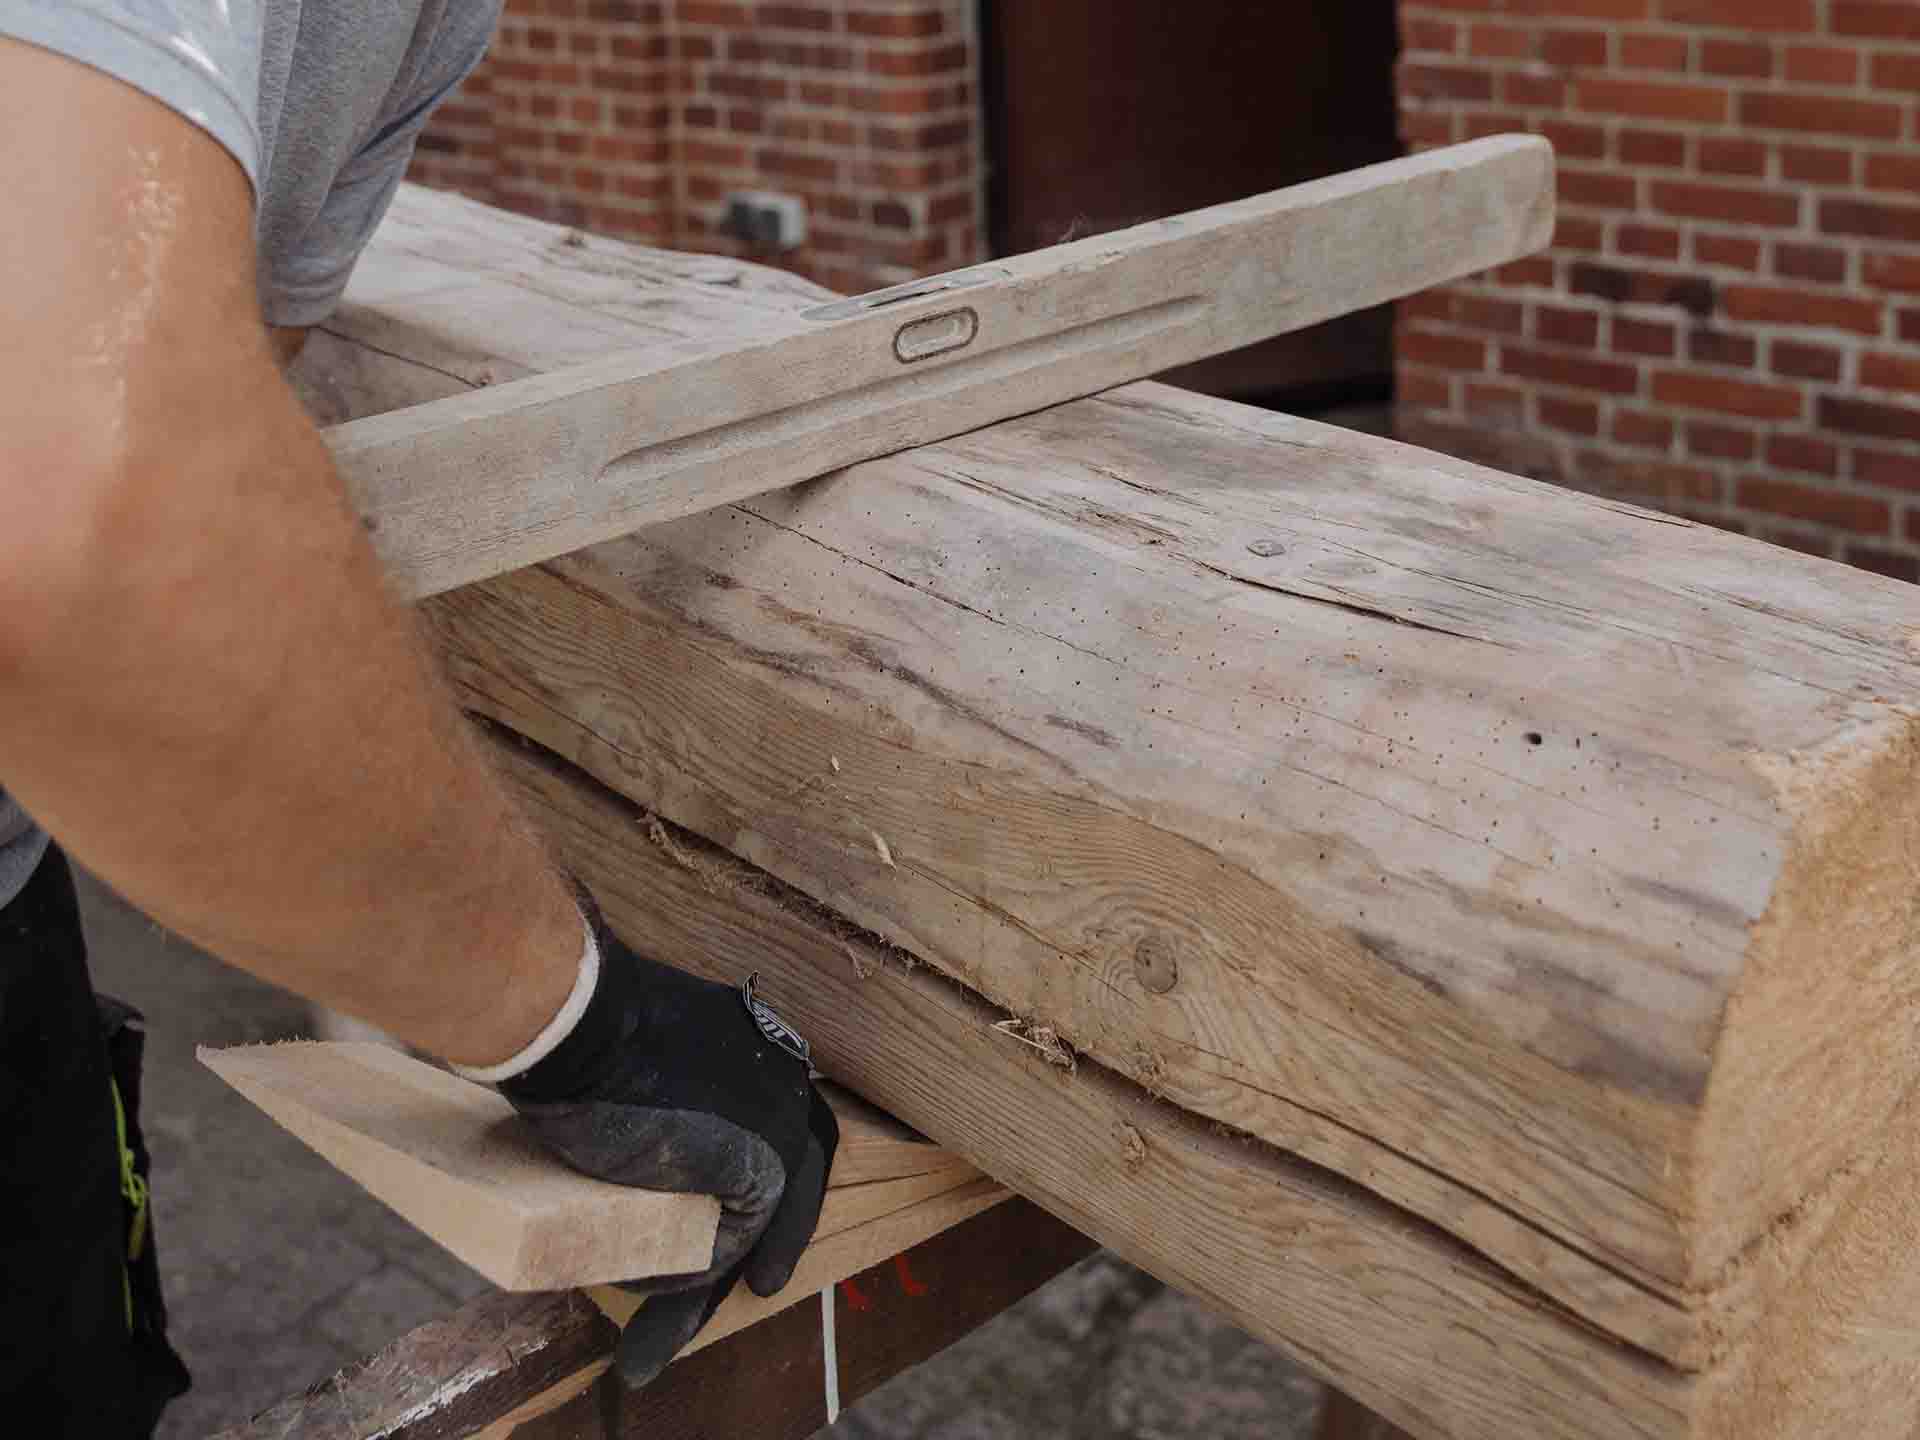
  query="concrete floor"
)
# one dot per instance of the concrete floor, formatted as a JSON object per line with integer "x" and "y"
{"x": 278, "y": 1270}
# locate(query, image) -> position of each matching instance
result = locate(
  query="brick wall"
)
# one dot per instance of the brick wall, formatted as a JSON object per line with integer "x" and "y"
{"x": 637, "y": 117}
{"x": 1728, "y": 324}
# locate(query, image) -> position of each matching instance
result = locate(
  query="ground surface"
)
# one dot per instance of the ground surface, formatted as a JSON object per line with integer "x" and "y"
{"x": 278, "y": 1270}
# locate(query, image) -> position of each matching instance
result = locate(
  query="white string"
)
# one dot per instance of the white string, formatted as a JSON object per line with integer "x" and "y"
{"x": 830, "y": 1354}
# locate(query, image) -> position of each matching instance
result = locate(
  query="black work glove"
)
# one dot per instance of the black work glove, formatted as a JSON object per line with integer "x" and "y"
{"x": 671, "y": 1082}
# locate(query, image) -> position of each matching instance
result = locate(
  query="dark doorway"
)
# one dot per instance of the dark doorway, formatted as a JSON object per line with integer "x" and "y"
{"x": 1105, "y": 113}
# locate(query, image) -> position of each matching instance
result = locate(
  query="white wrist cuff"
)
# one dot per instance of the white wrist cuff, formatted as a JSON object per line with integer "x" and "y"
{"x": 556, "y": 1029}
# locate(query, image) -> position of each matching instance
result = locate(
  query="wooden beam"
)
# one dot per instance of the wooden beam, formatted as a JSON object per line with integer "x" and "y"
{"x": 1535, "y": 862}
{"x": 453, "y": 1159}
{"x": 464, "y": 1375}
{"x": 474, "y": 485}
{"x": 1417, "y": 1328}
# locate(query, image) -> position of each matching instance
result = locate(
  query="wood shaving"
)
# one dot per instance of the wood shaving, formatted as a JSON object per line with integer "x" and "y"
{"x": 880, "y": 847}
{"x": 1043, "y": 1038}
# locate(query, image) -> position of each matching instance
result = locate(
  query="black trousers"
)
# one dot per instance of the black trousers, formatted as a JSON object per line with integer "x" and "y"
{"x": 83, "y": 1347}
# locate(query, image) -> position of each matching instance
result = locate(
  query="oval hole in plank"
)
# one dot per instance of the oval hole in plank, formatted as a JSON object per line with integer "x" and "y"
{"x": 935, "y": 335}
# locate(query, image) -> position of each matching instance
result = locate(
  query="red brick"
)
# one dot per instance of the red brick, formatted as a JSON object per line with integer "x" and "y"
{"x": 1870, "y": 418}
{"x": 1779, "y": 15}
{"x": 1653, "y": 52}
{"x": 1501, "y": 42}
{"x": 1895, "y": 564}
{"x": 1766, "y": 305}
{"x": 1821, "y": 114}
{"x": 1442, "y": 352}
{"x": 1578, "y": 372}
{"x": 1597, "y": 189}
{"x": 1579, "y": 232}
{"x": 1722, "y": 347}
{"x": 1860, "y": 513}
{"x": 1655, "y": 242}
{"x": 1885, "y": 19}
{"x": 1642, "y": 337}
{"x": 1439, "y": 37}
{"x": 1721, "y": 155}
{"x": 1803, "y": 452}
{"x": 1823, "y": 264}
{"x": 1574, "y": 142}
{"x": 1881, "y": 371}
{"x": 1910, "y": 326}
{"x": 1575, "y": 417}
{"x": 1416, "y": 387}
{"x": 1702, "y": 104}
{"x": 795, "y": 17}
{"x": 918, "y": 61}
{"x": 1738, "y": 252}
{"x": 1655, "y": 481}
{"x": 1804, "y": 362}
{"x": 866, "y": 22}
{"x": 1893, "y": 172}
{"x": 1485, "y": 312}
{"x": 1653, "y": 147}
{"x": 1726, "y": 204}
{"x": 1873, "y": 219}
{"x": 1720, "y": 442}
{"x": 713, "y": 12}
{"x": 1643, "y": 429}
{"x": 1894, "y": 70}
{"x": 1822, "y": 65}
{"x": 1573, "y": 49}
{"x": 1482, "y": 123}
{"x": 1558, "y": 326}
{"x": 1890, "y": 271}
{"x": 1726, "y": 395}
{"x": 1751, "y": 60}
{"x": 1502, "y": 404}
{"x": 1815, "y": 165}
{"x": 1539, "y": 92}
{"x": 1641, "y": 287}
{"x": 1582, "y": 9}
{"x": 1444, "y": 82}
{"x": 1888, "y": 469}
{"x": 798, "y": 165}
{"x": 1432, "y": 127}
{"x": 1533, "y": 272}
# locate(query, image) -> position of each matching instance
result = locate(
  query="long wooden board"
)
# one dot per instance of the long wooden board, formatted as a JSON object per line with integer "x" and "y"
{"x": 474, "y": 485}
{"x": 453, "y": 1159}
{"x": 523, "y": 1365}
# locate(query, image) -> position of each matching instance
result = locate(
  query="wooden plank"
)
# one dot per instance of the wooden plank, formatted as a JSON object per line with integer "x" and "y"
{"x": 1414, "y": 1326}
{"x": 460, "y": 1376}
{"x": 473, "y": 485}
{"x": 1342, "y": 1418}
{"x": 453, "y": 1159}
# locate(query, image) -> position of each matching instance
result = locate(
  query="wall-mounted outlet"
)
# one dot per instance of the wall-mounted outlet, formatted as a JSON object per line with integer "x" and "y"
{"x": 766, "y": 219}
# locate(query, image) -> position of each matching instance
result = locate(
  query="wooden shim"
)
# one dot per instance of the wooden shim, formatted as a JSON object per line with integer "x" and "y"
{"x": 1419, "y": 1330}
{"x": 474, "y": 485}
{"x": 463, "y": 1375}
{"x": 453, "y": 1159}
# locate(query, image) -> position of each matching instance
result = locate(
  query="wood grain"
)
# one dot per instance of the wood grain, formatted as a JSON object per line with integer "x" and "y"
{"x": 472, "y": 485}
{"x": 453, "y": 1159}
{"x": 1418, "y": 1329}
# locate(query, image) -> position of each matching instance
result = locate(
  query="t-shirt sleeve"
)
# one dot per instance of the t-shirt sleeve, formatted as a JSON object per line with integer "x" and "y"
{"x": 304, "y": 282}
{"x": 200, "y": 58}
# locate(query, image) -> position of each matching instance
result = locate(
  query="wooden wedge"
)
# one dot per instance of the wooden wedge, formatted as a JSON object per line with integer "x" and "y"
{"x": 471, "y": 486}
{"x": 452, "y": 1158}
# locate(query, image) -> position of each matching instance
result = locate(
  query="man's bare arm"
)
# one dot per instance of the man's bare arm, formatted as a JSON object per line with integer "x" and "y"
{"x": 205, "y": 692}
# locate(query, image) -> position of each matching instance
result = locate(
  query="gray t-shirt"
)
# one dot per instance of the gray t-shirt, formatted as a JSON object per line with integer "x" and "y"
{"x": 319, "y": 100}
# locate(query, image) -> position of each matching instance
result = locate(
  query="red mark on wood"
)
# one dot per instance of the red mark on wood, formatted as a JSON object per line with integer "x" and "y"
{"x": 855, "y": 1298}
{"x": 905, "y": 1271}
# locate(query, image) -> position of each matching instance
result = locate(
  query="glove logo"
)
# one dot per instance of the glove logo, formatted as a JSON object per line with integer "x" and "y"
{"x": 772, "y": 1026}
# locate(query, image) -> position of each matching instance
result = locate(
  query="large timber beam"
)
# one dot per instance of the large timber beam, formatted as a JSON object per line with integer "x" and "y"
{"x": 1536, "y": 867}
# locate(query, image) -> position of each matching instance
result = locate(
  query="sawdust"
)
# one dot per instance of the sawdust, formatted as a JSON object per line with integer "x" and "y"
{"x": 1043, "y": 1038}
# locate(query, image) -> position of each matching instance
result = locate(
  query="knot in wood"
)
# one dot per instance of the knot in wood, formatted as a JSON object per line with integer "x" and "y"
{"x": 1154, "y": 966}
